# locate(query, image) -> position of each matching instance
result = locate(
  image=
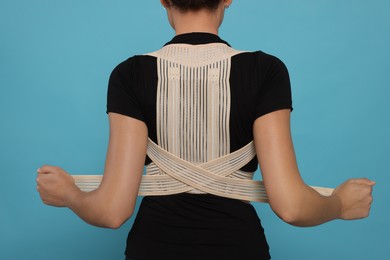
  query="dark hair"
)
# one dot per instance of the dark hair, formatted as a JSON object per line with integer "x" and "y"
{"x": 194, "y": 5}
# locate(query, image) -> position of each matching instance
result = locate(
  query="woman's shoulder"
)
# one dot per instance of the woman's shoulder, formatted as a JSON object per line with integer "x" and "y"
{"x": 260, "y": 61}
{"x": 263, "y": 57}
{"x": 135, "y": 59}
{"x": 132, "y": 63}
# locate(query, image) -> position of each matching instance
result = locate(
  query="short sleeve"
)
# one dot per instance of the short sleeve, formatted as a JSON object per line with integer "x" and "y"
{"x": 275, "y": 88}
{"x": 122, "y": 95}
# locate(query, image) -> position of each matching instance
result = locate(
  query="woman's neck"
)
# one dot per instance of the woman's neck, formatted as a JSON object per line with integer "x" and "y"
{"x": 201, "y": 21}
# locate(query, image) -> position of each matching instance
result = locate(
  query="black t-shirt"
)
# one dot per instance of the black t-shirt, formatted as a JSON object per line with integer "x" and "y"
{"x": 201, "y": 226}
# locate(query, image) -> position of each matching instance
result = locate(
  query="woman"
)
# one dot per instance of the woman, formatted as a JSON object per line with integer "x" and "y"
{"x": 199, "y": 100}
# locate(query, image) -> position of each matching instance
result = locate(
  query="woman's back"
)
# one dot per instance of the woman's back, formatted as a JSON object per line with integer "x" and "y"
{"x": 201, "y": 96}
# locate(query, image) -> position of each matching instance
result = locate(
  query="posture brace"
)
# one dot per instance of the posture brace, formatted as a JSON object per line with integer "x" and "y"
{"x": 193, "y": 107}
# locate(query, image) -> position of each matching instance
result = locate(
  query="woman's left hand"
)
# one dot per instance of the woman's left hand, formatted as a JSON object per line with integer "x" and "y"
{"x": 55, "y": 185}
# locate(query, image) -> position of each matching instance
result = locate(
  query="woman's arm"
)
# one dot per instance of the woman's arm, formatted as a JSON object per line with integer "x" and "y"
{"x": 113, "y": 202}
{"x": 289, "y": 197}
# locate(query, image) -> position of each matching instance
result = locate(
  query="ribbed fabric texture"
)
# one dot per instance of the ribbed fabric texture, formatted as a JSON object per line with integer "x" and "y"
{"x": 193, "y": 100}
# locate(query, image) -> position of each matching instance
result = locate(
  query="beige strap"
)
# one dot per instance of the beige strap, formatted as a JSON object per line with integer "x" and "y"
{"x": 89, "y": 183}
{"x": 218, "y": 177}
{"x": 211, "y": 177}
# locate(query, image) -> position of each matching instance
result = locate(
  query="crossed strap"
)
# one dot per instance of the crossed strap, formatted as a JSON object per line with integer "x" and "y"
{"x": 169, "y": 174}
{"x": 219, "y": 176}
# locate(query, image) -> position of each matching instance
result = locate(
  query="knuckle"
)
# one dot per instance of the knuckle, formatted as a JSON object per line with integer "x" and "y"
{"x": 45, "y": 166}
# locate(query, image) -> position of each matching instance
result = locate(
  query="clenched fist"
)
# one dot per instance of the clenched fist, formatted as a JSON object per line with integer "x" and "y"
{"x": 356, "y": 197}
{"x": 55, "y": 185}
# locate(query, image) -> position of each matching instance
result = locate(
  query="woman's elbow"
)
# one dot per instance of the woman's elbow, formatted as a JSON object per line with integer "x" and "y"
{"x": 291, "y": 208}
{"x": 116, "y": 214}
{"x": 115, "y": 224}
{"x": 116, "y": 211}
{"x": 115, "y": 221}
{"x": 291, "y": 217}
{"x": 288, "y": 211}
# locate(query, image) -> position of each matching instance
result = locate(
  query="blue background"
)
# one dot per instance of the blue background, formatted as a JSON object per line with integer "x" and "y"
{"x": 55, "y": 60}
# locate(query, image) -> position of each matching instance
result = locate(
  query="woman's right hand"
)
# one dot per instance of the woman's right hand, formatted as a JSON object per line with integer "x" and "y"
{"x": 355, "y": 196}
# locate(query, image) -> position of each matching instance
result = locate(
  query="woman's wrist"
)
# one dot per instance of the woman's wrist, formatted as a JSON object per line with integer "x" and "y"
{"x": 73, "y": 197}
{"x": 337, "y": 205}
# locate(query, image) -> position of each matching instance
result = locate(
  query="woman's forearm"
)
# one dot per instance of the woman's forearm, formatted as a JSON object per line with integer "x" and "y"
{"x": 93, "y": 208}
{"x": 314, "y": 209}
{"x": 306, "y": 207}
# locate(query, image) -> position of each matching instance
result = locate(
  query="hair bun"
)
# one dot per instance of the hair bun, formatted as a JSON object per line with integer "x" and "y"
{"x": 195, "y": 5}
